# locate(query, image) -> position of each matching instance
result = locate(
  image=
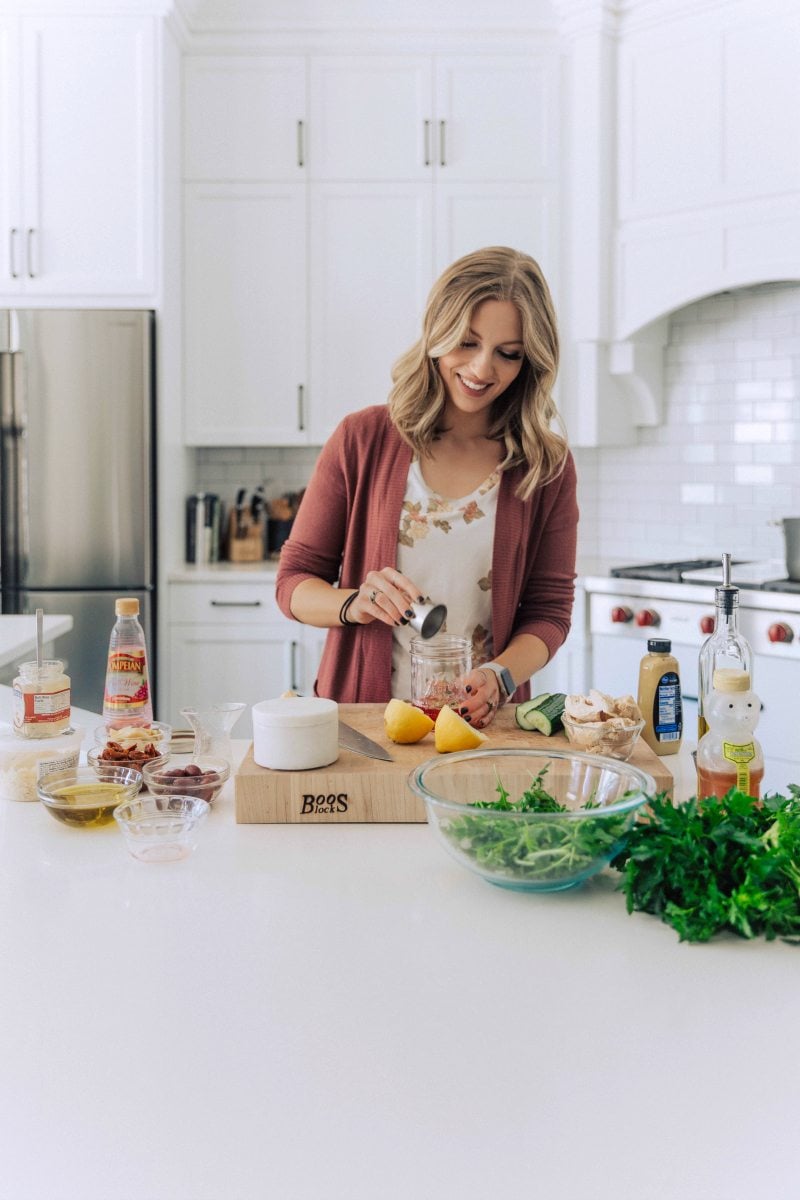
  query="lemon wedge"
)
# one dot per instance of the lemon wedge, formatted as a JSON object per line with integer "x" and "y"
{"x": 404, "y": 723}
{"x": 452, "y": 732}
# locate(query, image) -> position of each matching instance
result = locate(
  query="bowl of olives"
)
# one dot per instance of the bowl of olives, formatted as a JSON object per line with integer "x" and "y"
{"x": 203, "y": 778}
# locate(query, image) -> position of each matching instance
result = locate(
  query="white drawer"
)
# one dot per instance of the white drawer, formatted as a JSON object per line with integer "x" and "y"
{"x": 226, "y": 603}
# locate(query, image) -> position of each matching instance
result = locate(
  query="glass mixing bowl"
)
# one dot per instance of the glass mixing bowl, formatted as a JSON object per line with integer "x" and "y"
{"x": 533, "y": 851}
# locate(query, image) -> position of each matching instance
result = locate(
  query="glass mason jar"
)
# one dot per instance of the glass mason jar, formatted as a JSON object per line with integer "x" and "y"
{"x": 437, "y": 665}
{"x": 41, "y": 699}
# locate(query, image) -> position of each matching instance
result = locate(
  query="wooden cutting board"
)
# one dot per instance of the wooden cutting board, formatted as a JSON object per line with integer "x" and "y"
{"x": 359, "y": 789}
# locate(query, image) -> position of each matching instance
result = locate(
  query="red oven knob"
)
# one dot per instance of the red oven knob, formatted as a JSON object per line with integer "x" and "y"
{"x": 780, "y": 632}
{"x": 707, "y": 624}
{"x": 647, "y": 616}
{"x": 620, "y": 614}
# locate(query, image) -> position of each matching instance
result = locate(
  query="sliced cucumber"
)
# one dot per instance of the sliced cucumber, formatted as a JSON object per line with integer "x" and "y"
{"x": 542, "y": 714}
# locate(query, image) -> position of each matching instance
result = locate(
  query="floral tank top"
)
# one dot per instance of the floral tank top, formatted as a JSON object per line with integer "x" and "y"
{"x": 445, "y": 546}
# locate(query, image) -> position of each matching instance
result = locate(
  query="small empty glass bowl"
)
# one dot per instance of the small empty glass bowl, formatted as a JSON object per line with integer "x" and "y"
{"x": 161, "y": 828}
{"x": 203, "y": 776}
{"x": 86, "y": 797}
{"x": 612, "y": 739}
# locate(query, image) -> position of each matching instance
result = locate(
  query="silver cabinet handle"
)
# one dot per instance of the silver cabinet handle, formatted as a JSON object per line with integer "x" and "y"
{"x": 293, "y": 666}
{"x": 12, "y": 254}
{"x": 235, "y": 603}
{"x": 301, "y": 149}
{"x": 31, "y": 272}
{"x": 301, "y": 407}
{"x": 442, "y": 158}
{"x": 427, "y": 126}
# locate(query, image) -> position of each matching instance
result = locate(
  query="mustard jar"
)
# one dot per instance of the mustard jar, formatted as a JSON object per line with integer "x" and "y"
{"x": 41, "y": 699}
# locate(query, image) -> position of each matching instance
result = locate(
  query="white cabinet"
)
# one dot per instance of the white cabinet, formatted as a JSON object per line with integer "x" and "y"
{"x": 245, "y": 314}
{"x": 230, "y": 641}
{"x": 405, "y": 162}
{"x": 78, "y": 134}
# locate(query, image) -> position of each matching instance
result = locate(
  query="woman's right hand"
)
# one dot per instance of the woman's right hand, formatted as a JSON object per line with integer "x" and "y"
{"x": 386, "y": 595}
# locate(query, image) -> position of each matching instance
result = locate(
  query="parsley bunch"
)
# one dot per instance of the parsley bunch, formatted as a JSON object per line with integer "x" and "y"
{"x": 713, "y": 865}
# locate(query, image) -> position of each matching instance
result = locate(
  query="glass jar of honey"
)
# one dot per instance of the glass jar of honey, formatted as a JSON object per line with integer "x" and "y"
{"x": 41, "y": 699}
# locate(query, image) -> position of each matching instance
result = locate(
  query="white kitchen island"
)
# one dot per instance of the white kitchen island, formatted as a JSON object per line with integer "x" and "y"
{"x": 343, "y": 1013}
{"x": 18, "y": 635}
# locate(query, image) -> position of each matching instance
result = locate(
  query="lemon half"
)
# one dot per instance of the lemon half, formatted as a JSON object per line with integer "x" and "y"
{"x": 404, "y": 723}
{"x": 452, "y": 732}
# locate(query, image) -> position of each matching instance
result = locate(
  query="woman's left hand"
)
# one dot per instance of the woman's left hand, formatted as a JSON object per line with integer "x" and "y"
{"x": 481, "y": 697}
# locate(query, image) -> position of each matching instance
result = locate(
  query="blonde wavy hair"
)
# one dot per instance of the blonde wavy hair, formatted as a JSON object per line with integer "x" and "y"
{"x": 522, "y": 416}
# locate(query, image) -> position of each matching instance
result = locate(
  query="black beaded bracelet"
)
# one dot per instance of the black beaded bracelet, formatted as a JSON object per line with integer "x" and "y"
{"x": 343, "y": 610}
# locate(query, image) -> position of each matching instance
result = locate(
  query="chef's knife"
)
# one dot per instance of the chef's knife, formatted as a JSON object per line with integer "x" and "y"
{"x": 240, "y": 527}
{"x": 351, "y": 739}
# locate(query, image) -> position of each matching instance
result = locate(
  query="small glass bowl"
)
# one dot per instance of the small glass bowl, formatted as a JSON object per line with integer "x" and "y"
{"x": 170, "y": 778}
{"x": 606, "y": 738}
{"x": 85, "y": 797}
{"x": 131, "y": 736}
{"x": 94, "y": 758}
{"x": 161, "y": 828}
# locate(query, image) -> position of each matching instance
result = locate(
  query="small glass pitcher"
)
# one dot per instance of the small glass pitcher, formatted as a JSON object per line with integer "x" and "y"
{"x": 212, "y": 727}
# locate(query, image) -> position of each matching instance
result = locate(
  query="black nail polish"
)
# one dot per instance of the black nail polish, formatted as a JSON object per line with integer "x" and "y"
{"x": 468, "y": 689}
{"x": 404, "y": 620}
{"x": 468, "y": 720}
{"x": 420, "y": 599}
{"x": 463, "y": 711}
{"x": 409, "y": 612}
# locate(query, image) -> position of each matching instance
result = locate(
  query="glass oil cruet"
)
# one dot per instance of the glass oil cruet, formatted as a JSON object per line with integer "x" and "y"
{"x": 726, "y": 648}
{"x": 212, "y": 727}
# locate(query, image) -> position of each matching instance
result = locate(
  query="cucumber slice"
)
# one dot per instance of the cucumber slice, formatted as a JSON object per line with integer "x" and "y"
{"x": 541, "y": 715}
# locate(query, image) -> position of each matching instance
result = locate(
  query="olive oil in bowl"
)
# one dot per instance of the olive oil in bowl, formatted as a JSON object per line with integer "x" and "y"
{"x": 85, "y": 797}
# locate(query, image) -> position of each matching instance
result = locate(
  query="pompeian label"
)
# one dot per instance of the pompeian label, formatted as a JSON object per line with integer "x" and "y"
{"x": 323, "y": 804}
{"x": 127, "y": 689}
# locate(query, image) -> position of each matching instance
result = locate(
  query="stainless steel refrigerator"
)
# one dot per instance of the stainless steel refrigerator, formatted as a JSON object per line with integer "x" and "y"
{"x": 77, "y": 477}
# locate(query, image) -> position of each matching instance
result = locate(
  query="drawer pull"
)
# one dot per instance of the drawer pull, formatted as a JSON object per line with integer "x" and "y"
{"x": 235, "y": 603}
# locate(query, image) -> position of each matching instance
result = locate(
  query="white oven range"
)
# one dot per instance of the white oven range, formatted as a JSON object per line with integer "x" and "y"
{"x": 622, "y": 613}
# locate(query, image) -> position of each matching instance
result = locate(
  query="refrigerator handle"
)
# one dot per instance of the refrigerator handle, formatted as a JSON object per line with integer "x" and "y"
{"x": 13, "y": 500}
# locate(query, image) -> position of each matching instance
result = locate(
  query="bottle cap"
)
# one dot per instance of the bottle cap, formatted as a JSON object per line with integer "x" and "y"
{"x": 127, "y": 607}
{"x": 659, "y": 645}
{"x": 731, "y": 679}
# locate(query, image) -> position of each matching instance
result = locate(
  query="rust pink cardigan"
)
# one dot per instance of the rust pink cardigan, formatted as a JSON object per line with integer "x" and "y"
{"x": 348, "y": 524}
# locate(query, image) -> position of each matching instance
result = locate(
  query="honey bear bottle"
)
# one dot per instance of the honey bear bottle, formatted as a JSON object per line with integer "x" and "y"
{"x": 729, "y": 756}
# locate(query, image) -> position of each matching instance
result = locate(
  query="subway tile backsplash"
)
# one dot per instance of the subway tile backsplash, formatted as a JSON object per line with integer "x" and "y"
{"x": 722, "y": 465}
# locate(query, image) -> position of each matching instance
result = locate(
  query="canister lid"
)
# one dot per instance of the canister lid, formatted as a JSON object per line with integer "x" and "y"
{"x": 294, "y": 712}
{"x": 731, "y": 679}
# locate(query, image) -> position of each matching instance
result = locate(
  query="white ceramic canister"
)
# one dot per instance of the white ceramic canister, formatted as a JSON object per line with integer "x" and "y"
{"x": 24, "y": 761}
{"x": 295, "y": 733}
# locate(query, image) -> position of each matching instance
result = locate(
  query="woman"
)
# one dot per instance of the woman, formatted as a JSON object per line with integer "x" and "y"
{"x": 457, "y": 491}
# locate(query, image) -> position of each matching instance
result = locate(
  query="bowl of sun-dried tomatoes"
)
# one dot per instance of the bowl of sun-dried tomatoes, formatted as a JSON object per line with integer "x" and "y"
{"x": 131, "y": 745}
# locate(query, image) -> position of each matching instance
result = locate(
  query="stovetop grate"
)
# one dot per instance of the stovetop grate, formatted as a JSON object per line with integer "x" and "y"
{"x": 666, "y": 572}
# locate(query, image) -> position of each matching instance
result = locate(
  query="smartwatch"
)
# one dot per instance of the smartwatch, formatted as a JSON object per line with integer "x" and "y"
{"x": 505, "y": 679}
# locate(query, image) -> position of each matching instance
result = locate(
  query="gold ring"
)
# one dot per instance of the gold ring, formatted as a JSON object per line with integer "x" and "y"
{"x": 372, "y": 596}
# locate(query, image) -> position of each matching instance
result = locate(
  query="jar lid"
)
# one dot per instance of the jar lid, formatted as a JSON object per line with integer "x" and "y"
{"x": 294, "y": 712}
{"x": 659, "y": 645}
{"x": 49, "y": 667}
{"x": 731, "y": 679}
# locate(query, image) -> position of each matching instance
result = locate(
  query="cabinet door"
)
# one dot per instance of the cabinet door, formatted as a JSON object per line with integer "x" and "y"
{"x": 522, "y": 215}
{"x": 11, "y": 220}
{"x": 496, "y": 117}
{"x": 88, "y": 154}
{"x": 245, "y": 314}
{"x": 213, "y": 663}
{"x": 371, "y": 260}
{"x": 371, "y": 117}
{"x": 244, "y": 118}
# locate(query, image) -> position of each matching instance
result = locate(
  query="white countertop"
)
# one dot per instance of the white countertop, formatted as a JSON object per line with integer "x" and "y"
{"x": 18, "y": 635}
{"x": 343, "y": 1013}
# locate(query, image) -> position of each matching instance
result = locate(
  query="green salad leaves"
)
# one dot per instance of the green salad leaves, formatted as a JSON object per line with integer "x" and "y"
{"x": 713, "y": 865}
{"x": 541, "y": 851}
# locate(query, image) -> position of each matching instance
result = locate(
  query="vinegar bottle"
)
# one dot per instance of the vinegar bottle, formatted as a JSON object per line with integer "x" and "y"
{"x": 659, "y": 698}
{"x": 726, "y": 648}
{"x": 728, "y": 755}
{"x": 127, "y": 692}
